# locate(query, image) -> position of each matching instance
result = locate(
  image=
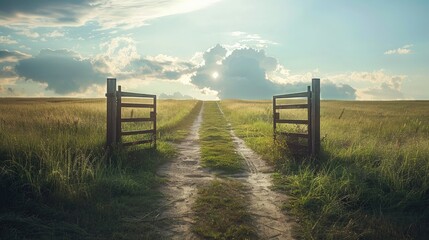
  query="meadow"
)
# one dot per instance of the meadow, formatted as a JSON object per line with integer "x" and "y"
{"x": 370, "y": 182}
{"x": 58, "y": 182}
{"x": 372, "y": 178}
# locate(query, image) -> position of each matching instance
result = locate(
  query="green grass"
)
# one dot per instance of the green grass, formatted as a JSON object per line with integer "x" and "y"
{"x": 221, "y": 206}
{"x": 371, "y": 181}
{"x": 217, "y": 149}
{"x": 56, "y": 180}
{"x": 221, "y": 211}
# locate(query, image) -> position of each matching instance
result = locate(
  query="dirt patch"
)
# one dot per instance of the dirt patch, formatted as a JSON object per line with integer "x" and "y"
{"x": 265, "y": 205}
{"x": 184, "y": 175}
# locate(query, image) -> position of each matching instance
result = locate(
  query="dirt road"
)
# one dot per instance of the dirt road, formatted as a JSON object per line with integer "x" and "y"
{"x": 185, "y": 175}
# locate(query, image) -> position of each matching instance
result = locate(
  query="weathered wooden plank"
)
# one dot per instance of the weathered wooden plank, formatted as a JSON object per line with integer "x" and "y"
{"x": 292, "y": 121}
{"x": 153, "y": 116}
{"x": 141, "y": 95}
{"x": 309, "y": 119}
{"x": 138, "y": 105}
{"x": 127, "y": 133}
{"x": 292, "y": 95}
{"x": 137, "y": 119}
{"x": 291, "y": 106}
{"x": 274, "y": 118}
{"x": 118, "y": 115}
{"x": 136, "y": 142}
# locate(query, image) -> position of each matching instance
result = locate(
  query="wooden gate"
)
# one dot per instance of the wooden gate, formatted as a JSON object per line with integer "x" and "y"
{"x": 115, "y": 119}
{"x": 312, "y": 137}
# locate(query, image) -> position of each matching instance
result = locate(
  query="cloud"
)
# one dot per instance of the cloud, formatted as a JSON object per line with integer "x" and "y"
{"x": 7, "y": 72}
{"x": 10, "y": 90}
{"x": 251, "y": 40}
{"x": 176, "y": 95}
{"x": 26, "y": 32}
{"x": 243, "y": 73}
{"x": 128, "y": 13}
{"x": 7, "y": 91}
{"x": 171, "y": 67}
{"x": 330, "y": 90}
{"x": 66, "y": 72}
{"x": 13, "y": 56}
{"x": 387, "y": 90}
{"x": 116, "y": 55}
{"x": 63, "y": 71}
{"x": 124, "y": 14}
{"x": 214, "y": 56}
{"x": 7, "y": 40}
{"x": 248, "y": 73}
{"x": 239, "y": 75}
{"x": 46, "y": 13}
{"x": 401, "y": 51}
{"x": 120, "y": 58}
{"x": 55, "y": 34}
{"x": 382, "y": 85}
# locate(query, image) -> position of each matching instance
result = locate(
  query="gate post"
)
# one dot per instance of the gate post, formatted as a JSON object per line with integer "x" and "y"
{"x": 315, "y": 117}
{"x": 309, "y": 132}
{"x": 274, "y": 118}
{"x": 111, "y": 112}
{"x": 118, "y": 115}
{"x": 154, "y": 120}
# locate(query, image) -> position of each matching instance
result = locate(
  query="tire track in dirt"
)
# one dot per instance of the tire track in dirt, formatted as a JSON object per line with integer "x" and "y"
{"x": 184, "y": 175}
{"x": 265, "y": 204}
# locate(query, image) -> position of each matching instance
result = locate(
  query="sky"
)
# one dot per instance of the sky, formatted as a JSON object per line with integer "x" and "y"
{"x": 215, "y": 49}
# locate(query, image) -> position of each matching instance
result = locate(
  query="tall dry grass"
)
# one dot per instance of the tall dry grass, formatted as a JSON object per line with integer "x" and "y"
{"x": 52, "y": 154}
{"x": 371, "y": 181}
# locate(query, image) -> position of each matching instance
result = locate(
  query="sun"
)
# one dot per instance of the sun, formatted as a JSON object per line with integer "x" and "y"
{"x": 215, "y": 75}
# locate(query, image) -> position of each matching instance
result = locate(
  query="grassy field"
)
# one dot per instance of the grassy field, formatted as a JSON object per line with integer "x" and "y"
{"x": 372, "y": 179}
{"x": 56, "y": 180}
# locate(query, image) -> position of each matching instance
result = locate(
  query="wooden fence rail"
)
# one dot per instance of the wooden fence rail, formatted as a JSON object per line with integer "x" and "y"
{"x": 115, "y": 119}
{"x": 312, "y": 95}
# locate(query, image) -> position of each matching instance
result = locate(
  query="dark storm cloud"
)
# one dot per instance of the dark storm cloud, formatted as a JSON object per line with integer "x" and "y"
{"x": 12, "y": 56}
{"x": 62, "y": 70}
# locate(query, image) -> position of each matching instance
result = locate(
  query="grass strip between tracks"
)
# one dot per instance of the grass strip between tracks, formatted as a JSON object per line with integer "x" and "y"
{"x": 217, "y": 149}
{"x": 221, "y": 211}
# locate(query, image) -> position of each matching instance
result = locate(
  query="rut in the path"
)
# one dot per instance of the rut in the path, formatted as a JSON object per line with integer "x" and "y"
{"x": 184, "y": 175}
{"x": 265, "y": 204}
